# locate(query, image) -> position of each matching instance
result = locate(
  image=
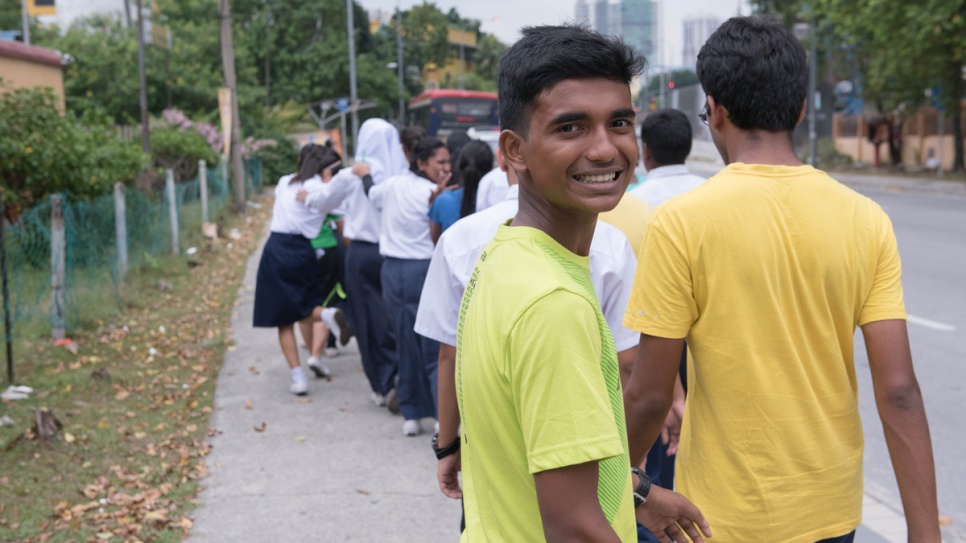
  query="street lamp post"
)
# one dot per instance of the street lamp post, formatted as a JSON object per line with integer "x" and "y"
{"x": 353, "y": 92}
{"x": 399, "y": 60}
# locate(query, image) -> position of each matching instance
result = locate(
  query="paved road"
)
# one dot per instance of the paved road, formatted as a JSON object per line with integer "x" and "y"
{"x": 931, "y": 231}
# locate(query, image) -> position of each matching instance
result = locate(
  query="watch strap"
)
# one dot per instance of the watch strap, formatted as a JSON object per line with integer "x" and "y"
{"x": 443, "y": 452}
{"x": 643, "y": 487}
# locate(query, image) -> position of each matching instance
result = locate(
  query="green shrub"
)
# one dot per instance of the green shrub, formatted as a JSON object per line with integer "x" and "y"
{"x": 44, "y": 152}
{"x": 180, "y": 151}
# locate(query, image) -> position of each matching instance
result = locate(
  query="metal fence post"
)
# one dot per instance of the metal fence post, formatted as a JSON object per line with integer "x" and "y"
{"x": 58, "y": 267}
{"x": 203, "y": 179}
{"x": 172, "y": 212}
{"x": 8, "y": 332}
{"x": 120, "y": 230}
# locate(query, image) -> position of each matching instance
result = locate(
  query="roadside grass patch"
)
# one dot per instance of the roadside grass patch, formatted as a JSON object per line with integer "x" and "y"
{"x": 134, "y": 402}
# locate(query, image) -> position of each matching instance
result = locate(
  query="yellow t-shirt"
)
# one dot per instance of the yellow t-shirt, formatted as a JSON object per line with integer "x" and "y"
{"x": 767, "y": 270}
{"x": 538, "y": 387}
{"x": 630, "y": 217}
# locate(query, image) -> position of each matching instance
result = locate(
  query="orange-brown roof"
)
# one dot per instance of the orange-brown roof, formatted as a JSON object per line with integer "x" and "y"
{"x": 40, "y": 55}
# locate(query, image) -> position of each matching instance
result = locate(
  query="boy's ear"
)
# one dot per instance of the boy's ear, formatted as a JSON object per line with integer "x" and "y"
{"x": 801, "y": 116}
{"x": 511, "y": 146}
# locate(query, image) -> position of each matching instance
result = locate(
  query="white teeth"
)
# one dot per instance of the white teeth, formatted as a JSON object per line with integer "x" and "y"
{"x": 603, "y": 178}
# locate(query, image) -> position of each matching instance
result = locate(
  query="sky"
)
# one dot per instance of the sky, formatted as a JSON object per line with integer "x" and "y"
{"x": 504, "y": 18}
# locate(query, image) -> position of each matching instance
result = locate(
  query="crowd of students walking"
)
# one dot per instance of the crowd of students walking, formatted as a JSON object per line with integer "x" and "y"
{"x": 550, "y": 350}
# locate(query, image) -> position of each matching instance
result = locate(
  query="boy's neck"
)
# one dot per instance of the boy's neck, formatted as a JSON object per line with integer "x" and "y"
{"x": 762, "y": 147}
{"x": 574, "y": 231}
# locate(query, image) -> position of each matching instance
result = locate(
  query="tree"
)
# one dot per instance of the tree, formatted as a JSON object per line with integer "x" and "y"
{"x": 898, "y": 49}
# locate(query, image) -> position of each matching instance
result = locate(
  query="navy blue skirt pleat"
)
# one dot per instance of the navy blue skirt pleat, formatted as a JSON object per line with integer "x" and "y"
{"x": 287, "y": 287}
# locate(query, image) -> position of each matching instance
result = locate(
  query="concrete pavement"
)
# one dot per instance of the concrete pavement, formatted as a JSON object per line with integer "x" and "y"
{"x": 330, "y": 466}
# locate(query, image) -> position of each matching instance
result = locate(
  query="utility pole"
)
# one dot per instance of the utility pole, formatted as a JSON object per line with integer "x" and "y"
{"x": 353, "y": 92}
{"x": 228, "y": 66}
{"x": 142, "y": 82}
{"x": 26, "y": 21}
{"x": 399, "y": 61}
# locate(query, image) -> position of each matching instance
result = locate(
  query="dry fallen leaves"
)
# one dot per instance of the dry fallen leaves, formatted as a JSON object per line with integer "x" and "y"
{"x": 261, "y": 428}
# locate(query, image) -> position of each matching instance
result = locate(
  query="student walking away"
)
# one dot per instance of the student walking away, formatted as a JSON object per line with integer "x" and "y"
{"x": 475, "y": 160}
{"x": 494, "y": 185}
{"x": 454, "y": 144}
{"x": 767, "y": 269}
{"x": 329, "y": 263}
{"x": 543, "y": 446}
{"x": 379, "y": 157}
{"x": 406, "y": 246}
{"x": 287, "y": 288}
{"x": 666, "y": 143}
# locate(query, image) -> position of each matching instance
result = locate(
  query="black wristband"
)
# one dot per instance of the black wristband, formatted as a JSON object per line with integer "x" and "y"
{"x": 643, "y": 487}
{"x": 443, "y": 452}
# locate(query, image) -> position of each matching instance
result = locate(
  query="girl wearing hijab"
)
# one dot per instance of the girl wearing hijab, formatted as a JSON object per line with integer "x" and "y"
{"x": 379, "y": 156}
{"x": 407, "y": 247}
{"x": 287, "y": 288}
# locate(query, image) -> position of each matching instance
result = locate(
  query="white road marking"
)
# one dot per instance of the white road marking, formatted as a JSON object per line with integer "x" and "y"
{"x": 934, "y": 325}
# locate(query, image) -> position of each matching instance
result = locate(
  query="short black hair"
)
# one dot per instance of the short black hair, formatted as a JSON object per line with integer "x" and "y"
{"x": 667, "y": 134}
{"x": 547, "y": 55}
{"x": 756, "y": 69}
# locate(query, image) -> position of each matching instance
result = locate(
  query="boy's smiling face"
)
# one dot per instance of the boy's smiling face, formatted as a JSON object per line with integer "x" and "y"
{"x": 581, "y": 148}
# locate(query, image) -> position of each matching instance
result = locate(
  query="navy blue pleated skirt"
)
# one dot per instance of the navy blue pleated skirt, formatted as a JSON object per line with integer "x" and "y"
{"x": 287, "y": 287}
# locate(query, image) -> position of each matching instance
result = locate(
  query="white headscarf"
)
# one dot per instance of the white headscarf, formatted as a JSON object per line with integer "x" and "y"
{"x": 379, "y": 147}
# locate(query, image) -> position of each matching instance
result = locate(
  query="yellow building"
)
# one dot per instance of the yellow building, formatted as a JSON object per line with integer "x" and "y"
{"x": 460, "y": 61}
{"x": 26, "y": 66}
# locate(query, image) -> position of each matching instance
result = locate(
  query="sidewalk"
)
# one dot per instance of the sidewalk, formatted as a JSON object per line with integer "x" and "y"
{"x": 705, "y": 160}
{"x": 331, "y": 466}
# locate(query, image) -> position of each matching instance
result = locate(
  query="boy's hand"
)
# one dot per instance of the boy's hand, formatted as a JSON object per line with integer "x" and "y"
{"x": 667, "y": 511}
{"x": 361, "y": 169}
{"x": 302, "y": 195}
{"x": 447, "y": 472}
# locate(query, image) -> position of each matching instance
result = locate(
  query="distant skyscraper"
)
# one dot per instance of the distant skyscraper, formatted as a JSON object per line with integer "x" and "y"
{"x": 696, "y": 32}
{"x": 607, "y": 18}
{"x": 582, "y": 13}
{"x": 639, "y": 27}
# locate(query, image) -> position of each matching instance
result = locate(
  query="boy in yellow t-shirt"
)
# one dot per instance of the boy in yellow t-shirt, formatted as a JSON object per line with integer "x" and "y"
{"x": 543, "y": 445}
{"x": 767, "y": 269}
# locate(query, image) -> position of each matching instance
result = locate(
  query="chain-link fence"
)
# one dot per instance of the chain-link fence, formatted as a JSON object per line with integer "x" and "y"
{"x": 66, "y": 253}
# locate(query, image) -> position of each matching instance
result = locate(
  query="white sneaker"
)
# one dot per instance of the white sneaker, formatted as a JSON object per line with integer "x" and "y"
{"x": 335, "y": 318}
{"x": 331, "y": 352}
{"x": 299, "y": 387}
{"x": 411, "y": 428}
{"x": 378, "y": 399}
{"x": 318, "y": 368}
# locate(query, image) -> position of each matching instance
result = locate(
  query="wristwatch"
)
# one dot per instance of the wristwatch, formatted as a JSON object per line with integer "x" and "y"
{"x": 443, "y": 452}
{"x": 643, "y": 487}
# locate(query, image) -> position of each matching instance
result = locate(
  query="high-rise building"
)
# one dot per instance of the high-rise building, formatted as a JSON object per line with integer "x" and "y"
{"x": 607, "y": 17}
{"x": 582, "y": 13}
{"x": 639, "y": 27}
{"x": 696, "y": 32}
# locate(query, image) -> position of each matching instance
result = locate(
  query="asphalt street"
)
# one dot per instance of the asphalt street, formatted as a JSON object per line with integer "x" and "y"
{"x": 931, "y": 231}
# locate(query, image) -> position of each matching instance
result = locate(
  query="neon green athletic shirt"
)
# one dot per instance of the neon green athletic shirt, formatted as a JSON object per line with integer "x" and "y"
{"x": 538, "y": 387}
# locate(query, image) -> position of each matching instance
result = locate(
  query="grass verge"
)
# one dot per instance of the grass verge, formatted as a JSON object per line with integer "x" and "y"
{"x": 134, "y": 403}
